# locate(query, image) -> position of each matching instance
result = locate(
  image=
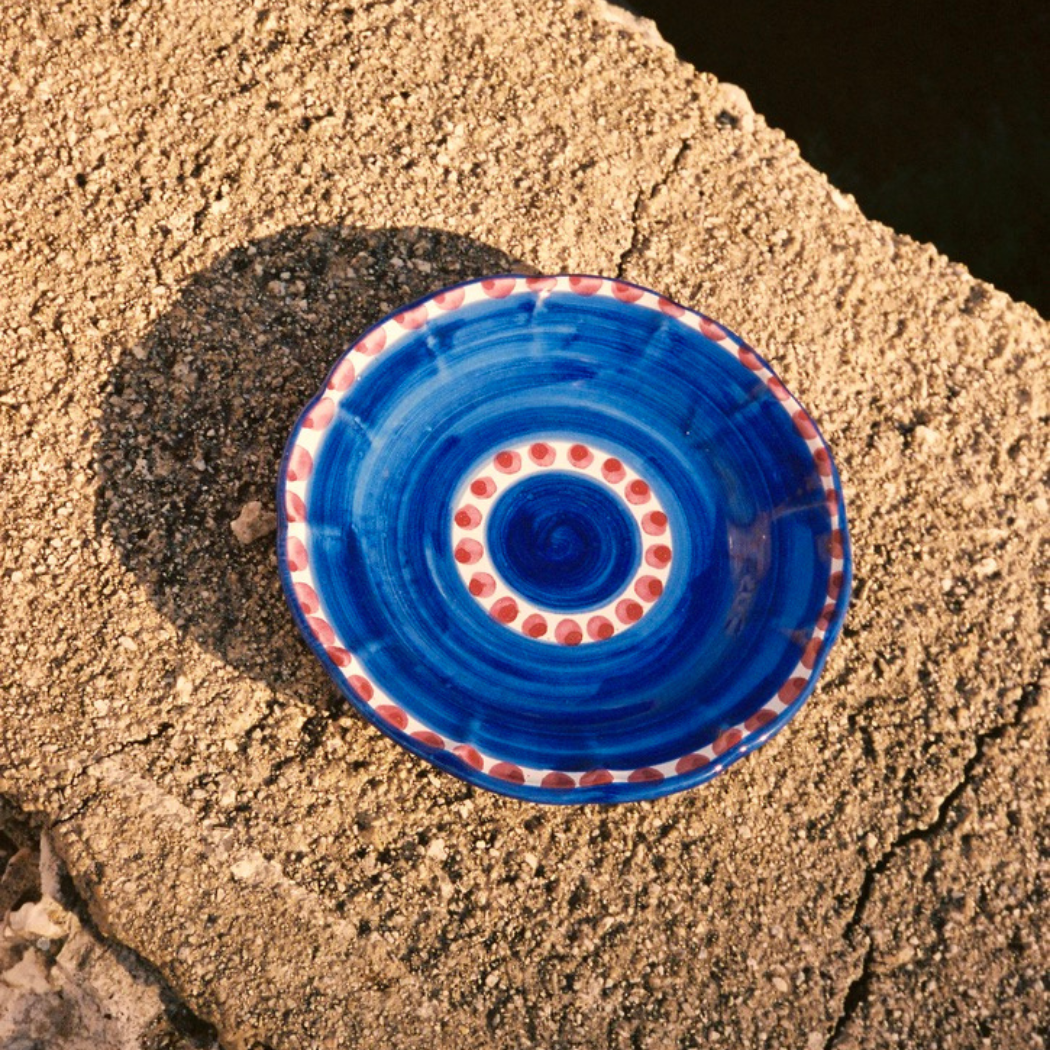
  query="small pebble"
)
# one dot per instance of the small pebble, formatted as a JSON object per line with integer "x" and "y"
{"x": 987, "y": 567}
{"x": 253, "y": 523}
{"x": 29, "y": 975}
{"x": 245, "y": 869}
{"x": 927, "y": 436}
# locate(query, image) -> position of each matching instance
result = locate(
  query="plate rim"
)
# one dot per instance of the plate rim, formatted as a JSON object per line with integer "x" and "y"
{"x": 617, "y": 791}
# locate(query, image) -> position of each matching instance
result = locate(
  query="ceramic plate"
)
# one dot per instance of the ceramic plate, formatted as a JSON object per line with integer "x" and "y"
{"x": 563, "y": 538}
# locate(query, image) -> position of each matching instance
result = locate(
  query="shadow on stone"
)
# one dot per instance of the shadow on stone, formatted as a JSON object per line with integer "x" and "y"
{"x": 196, "y": 416}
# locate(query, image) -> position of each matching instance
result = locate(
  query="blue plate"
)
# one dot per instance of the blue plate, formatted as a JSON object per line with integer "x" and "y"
{"x": 563, "y": 538}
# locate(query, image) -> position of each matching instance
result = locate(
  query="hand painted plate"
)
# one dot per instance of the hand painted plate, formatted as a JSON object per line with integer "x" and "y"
{"x": 563, "y": 538}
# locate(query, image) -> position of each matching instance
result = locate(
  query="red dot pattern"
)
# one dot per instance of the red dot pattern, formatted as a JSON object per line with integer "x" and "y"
{"x": 507, "y": 771}
{"x": 482, "y": 585}
{"x": 468, "y": 517}
{"x": 362, "y": 686}
{"x": 452, "y": 299}
{"x": 558, "y": 780}
{"x": 653, "y": 523}
{"x": 568, "y": 633}
{"x": 343, "y": 375}
{"x": 498, "y": 288}
{"x": 294, "y": 507}
{"x": 790, "y": 691}
{"x": 429, "y": 739}
{"x": 507, "y": 462}
{"x": 638, "y": 492}
{"x": 658, "y": 555}
{"x": 687, "y": 763}
{"x": 626, "y": 293}
{"x": 320, "y": 415}
{"x": 339, "y": 656}
{"x": 710, "y": 330}
{"x": 648, "y": 588}
{"x": 412, "y": 319}
{"x": 836, "y": 543}
{"x": 646, "y": 775}
{"x": 810, "y": 653}
{"x": 804, "y": 425}
{"x": 760, "y": 719}
{"x": 600, "y": 627}
{"x": 580, "y": 456}
{"x": 500, "y": 472}
{"x": 394, "y": 715}
{"x": 373, "y": 343}
{"x": 307, "y": 597}
{"x": 778, "y": 390}
{"x": 469, "y": 552}
{"x": 586, "y": 285}
{"x": 300, "y": 464}
{"x": 540, "y": 284}
{"x": 730, "y": 738}
{"x": 470, "y": 756}
{"x": 296, "y": 554}
{"x": 541, "y": 454}
{"x": 505, "y": 610}
{"x": 321, "y": 630}
{"x": 749, "y": 359}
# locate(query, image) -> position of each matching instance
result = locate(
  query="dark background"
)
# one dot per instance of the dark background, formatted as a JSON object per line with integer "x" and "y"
{"x": 935, "y": 116}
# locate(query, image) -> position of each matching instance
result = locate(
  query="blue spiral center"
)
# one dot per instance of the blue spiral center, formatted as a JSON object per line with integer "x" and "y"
{"x": 563, "y": 542}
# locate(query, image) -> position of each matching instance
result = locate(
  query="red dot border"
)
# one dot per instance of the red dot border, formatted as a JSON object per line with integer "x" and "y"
{"x": 499, "y": 471}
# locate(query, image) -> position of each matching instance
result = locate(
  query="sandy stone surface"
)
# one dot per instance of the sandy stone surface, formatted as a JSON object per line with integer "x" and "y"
{"x": 62, "y": 985}
{"x": 201, "y": 205}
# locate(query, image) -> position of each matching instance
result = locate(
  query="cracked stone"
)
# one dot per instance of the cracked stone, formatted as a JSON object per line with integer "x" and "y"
{"x": 35, "y": 919}
{"x": 152, "y": 421}
{"x": 62, "y": 987}
{"x": 29, "y": 974}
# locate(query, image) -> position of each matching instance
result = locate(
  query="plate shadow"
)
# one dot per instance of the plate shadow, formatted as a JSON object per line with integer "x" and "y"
{"x": 196, "y": 415}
